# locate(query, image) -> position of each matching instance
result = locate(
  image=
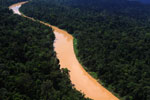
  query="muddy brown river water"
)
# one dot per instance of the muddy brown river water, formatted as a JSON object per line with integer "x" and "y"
{"x": 63, "y": 46}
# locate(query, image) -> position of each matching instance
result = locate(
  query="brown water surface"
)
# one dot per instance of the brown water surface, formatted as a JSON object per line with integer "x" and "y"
{"x": 63, "y": 46}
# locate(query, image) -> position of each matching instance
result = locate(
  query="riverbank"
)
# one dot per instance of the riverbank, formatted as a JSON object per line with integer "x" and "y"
{"x": 93, "y": 74}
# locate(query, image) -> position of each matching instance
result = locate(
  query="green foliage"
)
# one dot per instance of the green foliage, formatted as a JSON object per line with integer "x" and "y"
{"x": 113, "y": 39}
{"x": 29, "y": 69}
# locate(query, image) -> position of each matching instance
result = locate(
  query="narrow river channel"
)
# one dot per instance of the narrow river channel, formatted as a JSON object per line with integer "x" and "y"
{"x": 65, "y": 53}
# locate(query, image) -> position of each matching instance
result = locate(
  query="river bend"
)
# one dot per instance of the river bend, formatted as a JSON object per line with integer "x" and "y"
{"x": 63, "y": 46}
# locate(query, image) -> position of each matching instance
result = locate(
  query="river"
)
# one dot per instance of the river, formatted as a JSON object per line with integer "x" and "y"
{"x": 63, "y": 46}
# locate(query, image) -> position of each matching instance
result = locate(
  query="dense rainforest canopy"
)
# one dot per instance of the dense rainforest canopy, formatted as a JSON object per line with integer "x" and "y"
{"x": 29, "y": 69}
{"x": 113, "y": 39}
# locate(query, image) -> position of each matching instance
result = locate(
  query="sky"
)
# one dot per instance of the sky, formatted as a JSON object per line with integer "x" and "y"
{"x": 145, "y": 1}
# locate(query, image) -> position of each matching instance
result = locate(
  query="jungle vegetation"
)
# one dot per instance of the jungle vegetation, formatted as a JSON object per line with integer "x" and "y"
{"x": 113, "y": 39}
{"x": 29, "y": 69}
